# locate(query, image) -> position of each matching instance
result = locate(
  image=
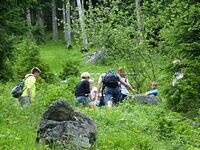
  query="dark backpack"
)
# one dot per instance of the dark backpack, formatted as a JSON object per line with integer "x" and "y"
{"x": 18, "y": 89}
{"x": 111, "y": 79}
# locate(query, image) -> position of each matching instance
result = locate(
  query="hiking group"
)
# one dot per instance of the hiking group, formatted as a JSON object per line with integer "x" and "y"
{"x": 112, "y": 89}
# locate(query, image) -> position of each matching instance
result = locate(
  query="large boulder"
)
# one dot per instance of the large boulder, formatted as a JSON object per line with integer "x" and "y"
{"x": 61, "y": 126}
{"x": 145, "y": 99}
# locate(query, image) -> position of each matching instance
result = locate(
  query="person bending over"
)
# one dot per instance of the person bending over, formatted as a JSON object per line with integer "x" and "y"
{"x": 110, "y": 81}
{"x": 28, "y": 94}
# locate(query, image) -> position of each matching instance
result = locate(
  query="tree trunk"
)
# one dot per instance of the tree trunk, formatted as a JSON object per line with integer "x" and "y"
{"x": 81, "y": 18}
{"x": 28, "y": 17}
{"x": 139, "y": 19}
{"x": 66, "y": 23}
{"x": 91, "y": 17}
{"x": 96, "y": 56}
{"x": 40, "y": 20}
{"x": 54, "y": 21}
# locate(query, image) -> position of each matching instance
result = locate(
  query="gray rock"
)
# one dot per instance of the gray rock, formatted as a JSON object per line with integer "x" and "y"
{"x": 145, "y": 99}
{"x": 61, "y": 126}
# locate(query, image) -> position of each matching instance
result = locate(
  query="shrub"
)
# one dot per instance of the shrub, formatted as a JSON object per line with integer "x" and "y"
{"x": 70, "y": 68}
{"x": 6, "y": 48}
{"x": 182, "y": 40}
{"x": 27, "y": 57}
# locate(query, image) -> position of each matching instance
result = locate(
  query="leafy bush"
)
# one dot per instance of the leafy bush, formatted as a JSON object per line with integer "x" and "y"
{"x": 56, "y": 91}
{"x": 6, "y": 48}
{"x": 117, "y": 31}
{"x": 27, "y": 56}
{"x": 70, "y": 68}
{"x": 38, "y": 35}
{"x": 182, "y": 40}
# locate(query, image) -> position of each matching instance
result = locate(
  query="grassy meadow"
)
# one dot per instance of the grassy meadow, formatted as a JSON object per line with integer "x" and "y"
{"x": 129, "y": 126}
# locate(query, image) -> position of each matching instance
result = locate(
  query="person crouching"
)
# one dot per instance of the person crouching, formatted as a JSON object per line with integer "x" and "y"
{"x": 82, "y": 90}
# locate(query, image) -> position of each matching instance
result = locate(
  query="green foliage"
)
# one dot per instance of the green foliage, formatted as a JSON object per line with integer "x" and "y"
{"x": 5, "y": 57}
{"x": 128, "y": 126}
{"x": 171, "y": 30}
{"x": 27, "y": 56}
{"x": 70, "y": 68}
{"x": 11, "y": 26}
{"x": 182, "y": 41}
{"x": 56, "y": 91}
{"x": 135, "y": 126}
{"x": 116, "y": 29}
{"x": 38, "y": 35}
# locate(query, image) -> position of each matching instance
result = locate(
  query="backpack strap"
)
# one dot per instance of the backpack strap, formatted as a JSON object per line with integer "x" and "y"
{"x": 25, "y": 80}
{"x": 27, "y": 77}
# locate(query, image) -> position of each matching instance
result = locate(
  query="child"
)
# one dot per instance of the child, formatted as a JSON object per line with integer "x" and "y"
{"x": 153, "y": 91}
{"x": 94, "y": 93}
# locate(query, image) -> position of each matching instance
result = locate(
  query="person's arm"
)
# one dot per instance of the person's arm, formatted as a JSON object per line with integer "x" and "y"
{"x": 94, "y": 93}
{"x": 30, "y": 82}
{"x": 94, "y": 96}
{"x": 87, "y": 86}
{"x": 128, "y": 86}
{"x": 90, "y": 96}
{"x": 29, "y": 94}
{"x": 100, "y": 86}
{"x": 152, "y": 92}
{"x": 146, "y": 94}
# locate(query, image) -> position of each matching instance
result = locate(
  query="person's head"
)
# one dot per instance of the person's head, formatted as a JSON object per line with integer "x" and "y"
{"x": 85, "y": 75}
{"x": 91, "y": 83}
{"x": 177, "y": 62}
{"x": 36, "y": 71}
{"x": 121, "y": 72}
{"x": 153, "y": 85}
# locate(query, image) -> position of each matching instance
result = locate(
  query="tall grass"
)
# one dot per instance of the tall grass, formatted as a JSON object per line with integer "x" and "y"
{"x": 129, "y": 126}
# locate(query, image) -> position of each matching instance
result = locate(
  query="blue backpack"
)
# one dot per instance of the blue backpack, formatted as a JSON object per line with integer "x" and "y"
{"x": 18, "y": 89}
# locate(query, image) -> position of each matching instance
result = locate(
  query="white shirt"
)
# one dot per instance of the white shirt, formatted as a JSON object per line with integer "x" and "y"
{"x": 93, "y": 91}
{"x": 123, "y": 88}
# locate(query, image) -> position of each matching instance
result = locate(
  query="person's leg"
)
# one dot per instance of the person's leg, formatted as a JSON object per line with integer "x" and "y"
{"x": 123, "y": 96}
{"x": 101, "y": 101}
{"x": 117, "y": 95}
{"x": 24, "y": 101}
{"x": 81, "y": 100}
{"x": 108, "y": 97}
{"x": 110, "y": 104}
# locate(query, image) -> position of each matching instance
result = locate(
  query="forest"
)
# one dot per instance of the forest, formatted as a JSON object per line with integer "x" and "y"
{"x": 153, "y": 40}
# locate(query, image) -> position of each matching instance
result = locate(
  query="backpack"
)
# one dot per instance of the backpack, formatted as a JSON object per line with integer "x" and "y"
{"x": 111, "y": 79}
{"x": 18, "y": 89}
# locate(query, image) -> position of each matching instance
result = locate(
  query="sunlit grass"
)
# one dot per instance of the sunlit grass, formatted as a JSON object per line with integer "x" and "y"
{"x": 55, "y": 55}
{"x": 130, "y": 126}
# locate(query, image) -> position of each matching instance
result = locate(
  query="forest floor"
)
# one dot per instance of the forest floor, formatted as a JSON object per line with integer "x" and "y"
{"x": 129, "y": 126}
